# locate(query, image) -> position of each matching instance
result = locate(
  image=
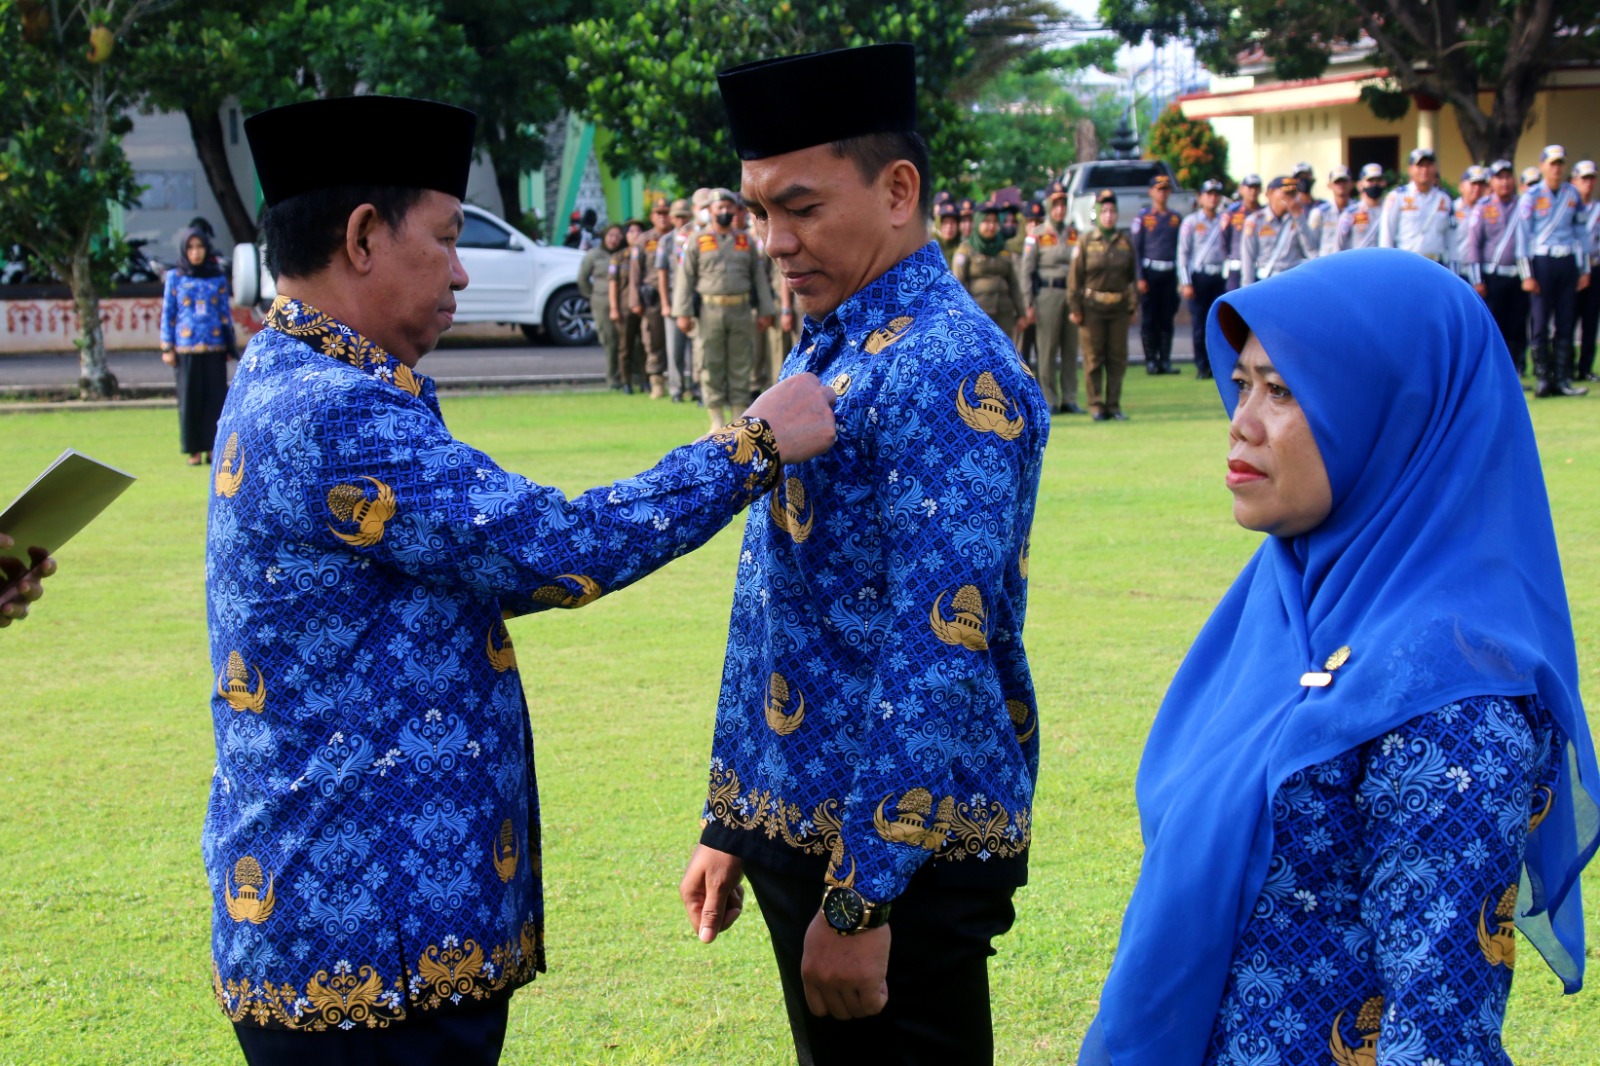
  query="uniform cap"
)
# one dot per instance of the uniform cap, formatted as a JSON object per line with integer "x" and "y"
{"x": 659, "y": 205}
{"x": 847, "y": 93}
{"x": 1303, "y": 170}
{"x": 1552, "y": 151}
{"x": 1372, "y": 172}
{"x": 989, "y": 207}
{"x": 1501, "y": 166}
{"x": 1252, "y": 180}
{"x": 1211, "y": 185}
{"x": 1034, "y": 212}
{"x": 1161, "y": 181}
{"x": 377, "y": 138}
{"x": 947, "y": 210}
{"x": 682, "y": 209}
{"x": 1474, "y": 174}
{"x": 1583, "y": 168}
{"x": 1283, "y": 182}
{"x": 1419, "y": 154}
{"x": 723, "y": 194}
{"x": 967, "y": 206}
{"x": 1339, "y": 173}
{"x": 1531, "y": 175}
{"x": 700, "y": 198}
{"x": 1055, "y": 191}
{"x": 1105, "y": 196}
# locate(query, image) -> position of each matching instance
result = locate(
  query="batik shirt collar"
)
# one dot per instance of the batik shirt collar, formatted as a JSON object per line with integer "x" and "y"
{"x": 333, "y": 338}
{"x": 879, "y": 301}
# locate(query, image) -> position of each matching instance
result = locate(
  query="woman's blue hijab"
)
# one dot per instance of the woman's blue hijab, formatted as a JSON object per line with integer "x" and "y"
{"x": 1437, "y": 567}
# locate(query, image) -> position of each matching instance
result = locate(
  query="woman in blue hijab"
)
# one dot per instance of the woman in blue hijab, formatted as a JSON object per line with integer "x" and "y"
{"x": 1373, "y": 764}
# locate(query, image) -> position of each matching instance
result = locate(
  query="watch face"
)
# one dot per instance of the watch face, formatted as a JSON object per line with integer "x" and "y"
{"x": 843, "y": 908}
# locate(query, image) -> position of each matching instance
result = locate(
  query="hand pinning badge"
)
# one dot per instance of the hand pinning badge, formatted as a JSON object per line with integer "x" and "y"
{"x": 841, "y": 384}
{"x": 1324, "y": 677}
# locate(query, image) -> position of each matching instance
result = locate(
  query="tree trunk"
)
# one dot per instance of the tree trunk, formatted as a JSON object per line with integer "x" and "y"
{"x": 95, "y": 380}
{"x": 205, "y": 129}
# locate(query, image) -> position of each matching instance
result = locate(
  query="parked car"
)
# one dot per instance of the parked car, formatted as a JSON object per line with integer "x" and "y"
{"x": 513, "y": 279}
{"x": 1128, "y": 178}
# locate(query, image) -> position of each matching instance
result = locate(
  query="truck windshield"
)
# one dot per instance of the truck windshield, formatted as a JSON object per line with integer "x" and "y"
{"x": 1118, "y": 175}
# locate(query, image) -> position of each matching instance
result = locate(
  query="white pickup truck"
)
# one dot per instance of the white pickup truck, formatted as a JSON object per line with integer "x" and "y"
{"x": 1128, "y": 178}
{"x": 512, "y": 278}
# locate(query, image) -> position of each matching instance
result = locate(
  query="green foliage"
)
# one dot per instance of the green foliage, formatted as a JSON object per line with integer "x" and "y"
{"x": 1024, "y": 123}
{"x": 1189, "y": 146}
{"x": 649, "y": 75}
{"x": 104, "y": 907}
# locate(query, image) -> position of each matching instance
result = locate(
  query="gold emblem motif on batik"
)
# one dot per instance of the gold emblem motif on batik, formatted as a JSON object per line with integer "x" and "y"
{"x": 1368, "y": 1021}
{"x": 561, "y": 596}
{"x": 995, "y": 412}
{"x": 910, "y": 824}
{"x": 1022, "y": 717}
{"x": 1499, "y": 945}
{"x": 505, "y": 852}
{"x": 1022, "y": 556}
{"x": 793, "y": 516}
{"x": 966, "y": 628}
{"x": 452, "y": 970}
{"x": 337, "y": 341}
{"x": 782, "y": 720}
{"x": 883, "y": 336}
{"x": 233, "y": 685}
{"x": 251, "y": 904}
{"x": 230, "y": 471}
{"x": 350, "y": 505}
{"x": 502, "y": 656}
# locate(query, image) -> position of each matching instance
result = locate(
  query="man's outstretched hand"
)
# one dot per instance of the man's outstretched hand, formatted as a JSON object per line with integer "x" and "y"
{"x": 19, "y": 585}
{"x": 799, "y": 411}
{"x": 712, "y": 891}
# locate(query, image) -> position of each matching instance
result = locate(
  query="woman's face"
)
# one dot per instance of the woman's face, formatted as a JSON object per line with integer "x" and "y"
{"x": 988, "y": 225}
{"x": 1107, "y": 215}
{"x": 195, "y": 251}
{"x": 1275, "y": 469}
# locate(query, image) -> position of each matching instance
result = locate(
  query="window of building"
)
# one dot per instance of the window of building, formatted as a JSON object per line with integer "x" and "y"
{"x": 1385, "y": 151}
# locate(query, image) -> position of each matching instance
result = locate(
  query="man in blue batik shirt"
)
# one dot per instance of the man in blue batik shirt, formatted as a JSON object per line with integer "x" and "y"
{"x": 372, "y": 838}
{"x": 877, "y": 736}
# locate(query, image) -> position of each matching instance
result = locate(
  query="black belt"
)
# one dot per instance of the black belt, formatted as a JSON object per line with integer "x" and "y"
{"x": 1052, "y": 283}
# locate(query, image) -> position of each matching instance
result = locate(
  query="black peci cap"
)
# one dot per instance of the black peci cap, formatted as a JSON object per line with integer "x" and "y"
{"x": 381, "y": 140}
{"x": 847, "y": 93}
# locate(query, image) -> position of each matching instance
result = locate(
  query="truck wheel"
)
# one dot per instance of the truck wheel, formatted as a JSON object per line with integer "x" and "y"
{"x": 568, "y": 322}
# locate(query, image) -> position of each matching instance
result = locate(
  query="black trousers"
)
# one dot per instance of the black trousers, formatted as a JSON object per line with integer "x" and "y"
{"x": 1207, "y": 287}
{"x": 469, "y": 1036}
{"x": 938, "y": 1010}
{"x": 1588, "y": 321}
{"x": 1554, "y": 314}
{"x": 1157, "y": 309}
{"x": 1509, "y": 306}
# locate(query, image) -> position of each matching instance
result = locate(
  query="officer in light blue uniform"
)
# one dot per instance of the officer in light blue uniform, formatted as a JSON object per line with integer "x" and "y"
{"x": 1275, "y": 237}
{"x": 1553, "y": 210}
{"x": 1584, "y": 179}
{"x": 1201, "y": 262}
{"x": 1323, "y": 217}
{"x": 1360, "y": 222}
{"x": 1238, "y": 212}
{"x": 1474, "y": 185}
{"x": 1495, "y": 259}
{"x": 1417, "y": 215}
{"x": 1155, "y": 272}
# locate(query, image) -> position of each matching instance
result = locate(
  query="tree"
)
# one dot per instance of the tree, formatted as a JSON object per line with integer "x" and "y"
{"x": 649, "y": 76}
{"x": 1189, "y": 146}
{"x": 63, "y": 94}
{"x": 1024, "y": 122}
{"x": 1436, "y": 48}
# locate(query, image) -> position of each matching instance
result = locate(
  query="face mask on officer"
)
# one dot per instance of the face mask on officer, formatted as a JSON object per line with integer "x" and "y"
{"x": 724, "y": 218}
{"x": 1373, "y": 190}
{"x": 703, "y": 216}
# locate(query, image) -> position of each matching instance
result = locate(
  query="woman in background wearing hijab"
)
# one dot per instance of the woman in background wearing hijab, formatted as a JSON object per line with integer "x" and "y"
{"x": 1373, "y": 764}
{"x": 196, "y": 340}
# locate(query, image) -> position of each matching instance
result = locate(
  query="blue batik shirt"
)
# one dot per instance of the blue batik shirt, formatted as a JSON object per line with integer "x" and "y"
{"x": 876, "y": 711}
{"x": 194, "y": 313}
{"x": 372, "y": 839}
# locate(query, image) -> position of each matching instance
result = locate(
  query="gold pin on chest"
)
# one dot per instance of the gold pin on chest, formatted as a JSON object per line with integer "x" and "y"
{"x": 841, "y": 384}
{"x": 1324, "y": 677}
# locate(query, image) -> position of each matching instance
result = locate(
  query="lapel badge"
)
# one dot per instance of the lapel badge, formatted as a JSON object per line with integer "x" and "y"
{"x": 1324, "y": 677}
{"x": 884, "y": 336}
{"x": 841, "y": 384}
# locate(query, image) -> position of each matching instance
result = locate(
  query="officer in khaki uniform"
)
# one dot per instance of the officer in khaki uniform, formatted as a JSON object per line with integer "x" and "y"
{"x": 679, "y": 344}
{"x": 722, "y": 268}
{"x": 644, "y": 297}
{"x": 948, "y": 231}
{"x": 989, "y": 272}
{"x": 595, "y": 277}
{"x": 1102, "y": 298}
{"x": 1046, "y": 258}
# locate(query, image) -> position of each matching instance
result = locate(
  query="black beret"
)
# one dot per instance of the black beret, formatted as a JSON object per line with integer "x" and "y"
{"x": 782, "y": 105}
{"x": 361, "y": 140}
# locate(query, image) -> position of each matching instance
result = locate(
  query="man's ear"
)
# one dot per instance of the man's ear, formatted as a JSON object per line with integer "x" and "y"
{"x": 358, "y": 232}
{"x": 903, "y": 190}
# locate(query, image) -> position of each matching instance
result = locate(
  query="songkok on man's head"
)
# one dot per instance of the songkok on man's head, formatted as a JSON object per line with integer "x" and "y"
{"x": 851, "y": 92}
{"x": 382, "y": 140}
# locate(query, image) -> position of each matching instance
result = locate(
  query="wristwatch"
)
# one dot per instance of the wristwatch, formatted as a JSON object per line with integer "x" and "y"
{"x": 847, "y": 912}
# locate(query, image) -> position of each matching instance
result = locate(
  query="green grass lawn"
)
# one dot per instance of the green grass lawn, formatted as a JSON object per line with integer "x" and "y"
{"x": 107, "y": 752}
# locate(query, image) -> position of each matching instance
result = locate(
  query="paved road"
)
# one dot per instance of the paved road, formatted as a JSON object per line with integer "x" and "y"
{"x": 460, "y": 363}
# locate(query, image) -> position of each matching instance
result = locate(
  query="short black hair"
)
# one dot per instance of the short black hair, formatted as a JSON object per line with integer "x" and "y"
{"x": 871, "y": 152}
{"x": 302, "y": 232}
